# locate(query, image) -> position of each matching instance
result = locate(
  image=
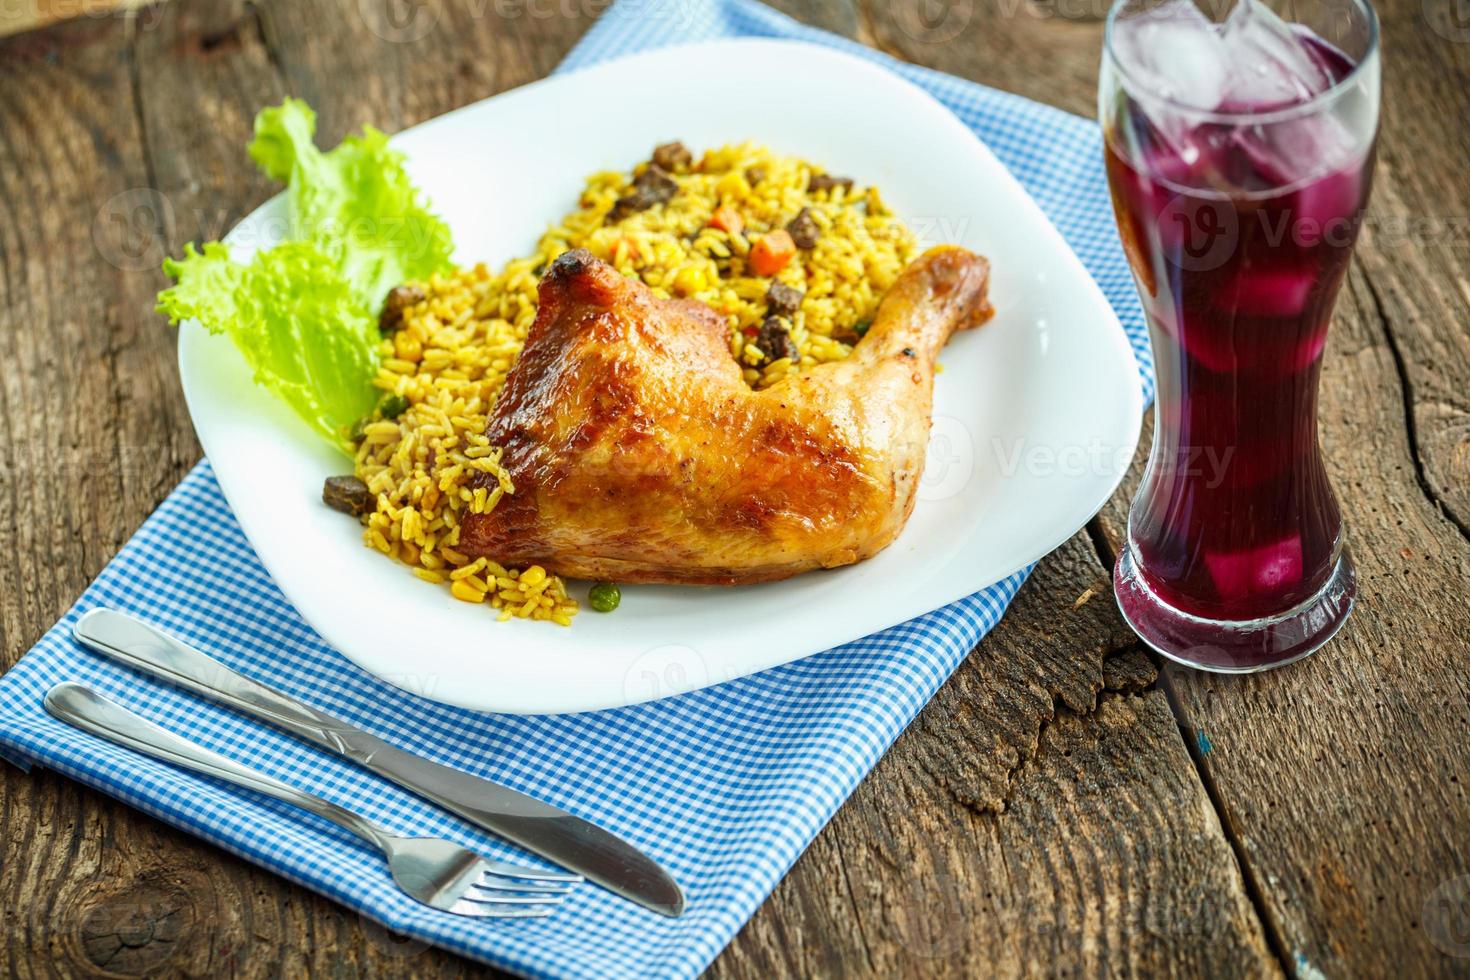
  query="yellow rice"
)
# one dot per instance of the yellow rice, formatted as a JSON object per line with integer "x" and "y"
{"x": 451, "y": 355}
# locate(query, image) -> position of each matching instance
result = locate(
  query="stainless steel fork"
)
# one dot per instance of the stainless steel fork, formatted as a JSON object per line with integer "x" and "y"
{"x": 435, "y": 871}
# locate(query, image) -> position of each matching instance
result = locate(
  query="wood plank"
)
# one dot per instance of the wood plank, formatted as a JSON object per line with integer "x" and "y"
{"x": 1021, "y": 46}
{"x": 1342, "y": 780}
{"x": 27, "y": 15}
{"x": 1033, "y": 821}
{"x": 1416, "y": 255}
{"x": 90, "y": 402}
{"x": 394, "y": 65}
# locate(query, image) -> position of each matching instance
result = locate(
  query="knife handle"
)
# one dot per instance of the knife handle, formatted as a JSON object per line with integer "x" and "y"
{"x": 85, "y": 709}
{"x": 135, "y": 643}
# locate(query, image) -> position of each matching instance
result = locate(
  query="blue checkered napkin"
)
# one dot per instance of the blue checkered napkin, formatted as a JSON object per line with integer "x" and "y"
{"x": 724, "y": 786}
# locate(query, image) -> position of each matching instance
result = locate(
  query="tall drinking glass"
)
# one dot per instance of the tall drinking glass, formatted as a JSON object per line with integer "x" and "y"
{"x": 1240, "y": 147}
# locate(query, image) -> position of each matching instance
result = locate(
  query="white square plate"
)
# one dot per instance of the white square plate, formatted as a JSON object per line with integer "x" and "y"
{"x": 1036, "y": 414}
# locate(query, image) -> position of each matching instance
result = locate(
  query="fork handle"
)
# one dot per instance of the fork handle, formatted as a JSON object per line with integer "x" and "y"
{"x": 83, "y": 708}
{"x": 139, "y": 645}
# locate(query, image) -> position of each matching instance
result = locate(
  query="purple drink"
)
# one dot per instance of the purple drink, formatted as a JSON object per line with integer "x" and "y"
{"x": 1238, "y": 201}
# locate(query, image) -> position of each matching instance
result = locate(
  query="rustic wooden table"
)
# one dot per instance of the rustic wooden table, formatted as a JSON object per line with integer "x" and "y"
{"x": 1062, "y": 807}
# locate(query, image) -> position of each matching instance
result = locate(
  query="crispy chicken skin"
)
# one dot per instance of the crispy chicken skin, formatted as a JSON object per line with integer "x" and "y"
{"x": 640, "y": 454}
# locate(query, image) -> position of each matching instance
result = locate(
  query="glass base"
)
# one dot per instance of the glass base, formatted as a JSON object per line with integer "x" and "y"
{"x": 1234, "y": 647}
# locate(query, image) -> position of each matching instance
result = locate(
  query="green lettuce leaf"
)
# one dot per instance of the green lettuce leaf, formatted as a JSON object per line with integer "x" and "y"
{"x": 310, "y": 341}
{"x": 304, "y": 312}
{"x": 355, "y": 202}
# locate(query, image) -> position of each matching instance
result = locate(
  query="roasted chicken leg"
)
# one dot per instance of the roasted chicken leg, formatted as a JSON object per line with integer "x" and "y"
{"x": 640, "y": 454}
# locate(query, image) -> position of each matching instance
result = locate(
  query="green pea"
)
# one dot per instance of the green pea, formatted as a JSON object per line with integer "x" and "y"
{"x": 605, "y": 596}
{"x": 393, "y": 406}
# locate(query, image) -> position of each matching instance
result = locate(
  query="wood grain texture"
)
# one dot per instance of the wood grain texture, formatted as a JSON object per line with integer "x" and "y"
{"x": 1036, "y": 820}
{"x": 1046, "y": 50}
{"x": 25, "y": 15}
{"x": 1415, "y": 261}
{"x": 1045, "y": 815}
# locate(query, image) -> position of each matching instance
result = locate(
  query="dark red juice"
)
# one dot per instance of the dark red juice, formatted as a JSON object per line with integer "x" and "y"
{"x": 1238, "y": 261}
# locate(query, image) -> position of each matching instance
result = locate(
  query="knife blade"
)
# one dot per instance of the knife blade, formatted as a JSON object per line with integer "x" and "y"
{"x": 561, "y": 837}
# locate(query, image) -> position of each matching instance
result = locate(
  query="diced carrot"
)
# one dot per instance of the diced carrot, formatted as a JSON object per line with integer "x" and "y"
{"x": 771, "y": 252}
{"x": 728, "y": 219}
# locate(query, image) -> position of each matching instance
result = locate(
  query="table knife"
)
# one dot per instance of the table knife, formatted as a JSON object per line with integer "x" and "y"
{"x": 554, "y": 834}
